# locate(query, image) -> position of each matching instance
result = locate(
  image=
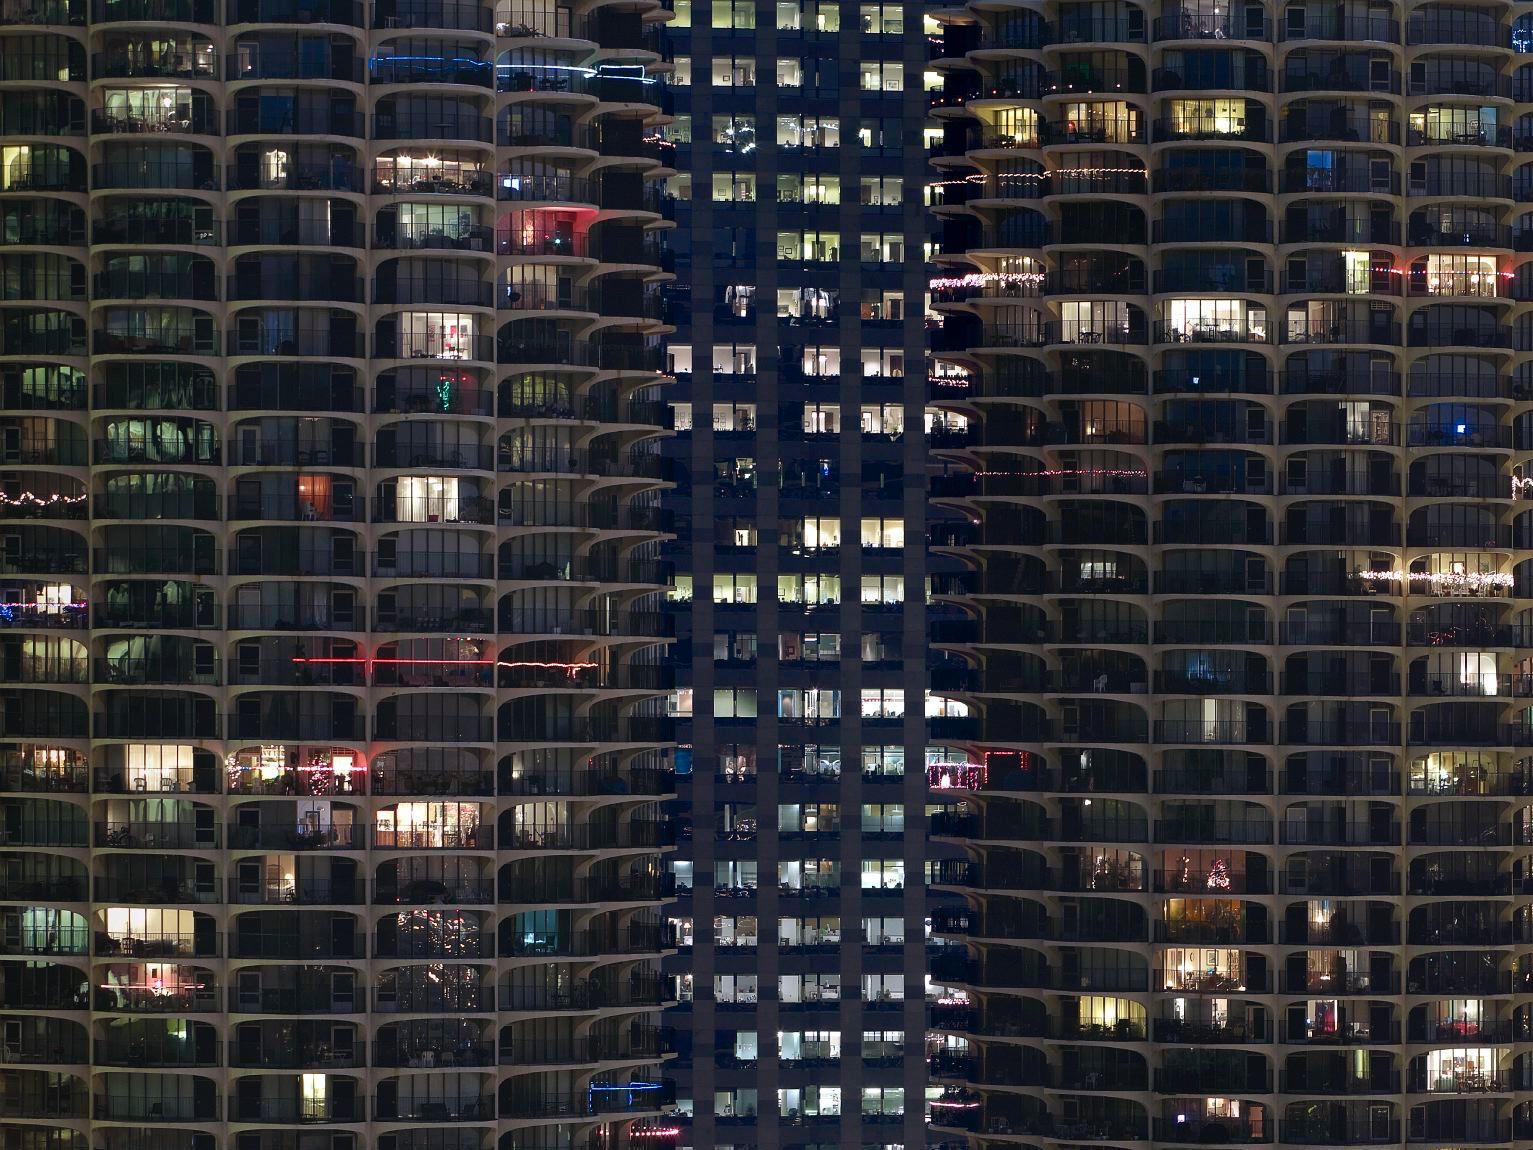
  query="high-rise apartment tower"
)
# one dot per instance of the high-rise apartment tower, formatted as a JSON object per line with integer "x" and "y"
{"x": 333, "y": 744}
{"x": 801, "y": 507}
{"x": 1236, "y": 314}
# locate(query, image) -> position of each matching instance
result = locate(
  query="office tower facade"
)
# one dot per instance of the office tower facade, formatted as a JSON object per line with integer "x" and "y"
{"x": 333, "y": 726}
{"x": 1235, "y": 313}
{"x": 800, "y": 392}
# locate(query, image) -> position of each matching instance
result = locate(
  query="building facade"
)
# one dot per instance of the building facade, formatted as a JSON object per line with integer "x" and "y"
{"x": 1236, "y": 343}
{"x": 332, "y": 733}
{"x": 799, "y": 359}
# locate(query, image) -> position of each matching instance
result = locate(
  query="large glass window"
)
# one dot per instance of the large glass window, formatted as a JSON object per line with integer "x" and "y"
{"x": 437, "y": 335}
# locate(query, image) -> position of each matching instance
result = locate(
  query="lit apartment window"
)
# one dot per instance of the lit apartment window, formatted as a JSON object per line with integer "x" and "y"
{"x": 881, "y": 75}
{"x": 812, "y": 590}
{"x": 738, "y": 14}
{"x": 821, "y": 534}
{"x": 882, "y": 703}
{"x": 883, "y": 534}
{"x": 1220, "y": 116}
{"x": 806, "y": 131}
{"x": 809, "y": 1102}
{"x": 734, "y": 587}
{"x": 738, "y": 989}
